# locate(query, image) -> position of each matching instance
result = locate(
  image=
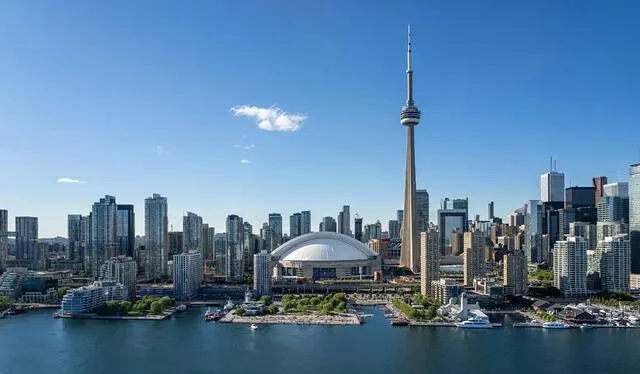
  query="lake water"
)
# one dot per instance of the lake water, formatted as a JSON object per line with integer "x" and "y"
{"x": 37, "y": 343}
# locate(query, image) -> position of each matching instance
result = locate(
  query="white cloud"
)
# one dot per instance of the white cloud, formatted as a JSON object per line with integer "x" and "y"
{"x": 243, "y": 161}
{"x": 249, "y": 146}
{"x": 161, "y": 150}
{"x": 69, "y": 180}
{"x": 271, "y": 119}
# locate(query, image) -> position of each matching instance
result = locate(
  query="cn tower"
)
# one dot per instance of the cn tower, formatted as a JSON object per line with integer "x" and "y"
{"x": 410, "y": 117}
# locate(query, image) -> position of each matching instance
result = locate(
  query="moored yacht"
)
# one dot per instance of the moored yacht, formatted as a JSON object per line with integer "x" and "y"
{"x": 555, "y": 325}
{"x": 475, "y": 323}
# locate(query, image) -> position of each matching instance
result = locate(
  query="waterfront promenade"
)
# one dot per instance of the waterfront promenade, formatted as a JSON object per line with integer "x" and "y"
{"x": 306, "y": 319}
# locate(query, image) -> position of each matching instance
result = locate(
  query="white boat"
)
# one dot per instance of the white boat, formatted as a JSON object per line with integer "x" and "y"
{"x": 586, "y": 326}
{"x": 208, "y": 313}
{"x": 555, "y": 325}
{"x": 475, "y": 323}
{"x": 181, "y": 308}
{"x": 254, "y": 326}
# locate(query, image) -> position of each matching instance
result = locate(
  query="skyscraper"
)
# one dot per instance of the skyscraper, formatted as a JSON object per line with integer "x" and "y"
{"x": 358, "y": 229}
{"x": 103, "y": 233}
{"x": 449, "y": 221}
{"x": 85, "y": 241}
{"x": 578, "y": 197}
{"x": 615, "y": 263}
{"x": 156, "y": 230}
{"x": 191, "y": 232}
{"x": 275, "y": 227}
{"x": 220, "y": 249}
{"x": 410, "y": 117}
{"x": 533, "y": 230}
{"x": 175, "y": 243}
{"x": 634, "y": 216}
{"x": 235, "y": 247}
{"x": 26, "y": 239}
{"x": 295, "y": 225}
{"x": 552, "y": 187}
{"x": 598, "y": 183}
{"x": 125, "y": 230}
{"x": 490, "y": 212}
{"x": 262, "y": 273}
{"x": 306, "y": 222}
{"x": 187, "y": 274}
{"x": 570, "y": 266}
{"x": 372, "y": 231}
{"x": 74, "y": 224}
{"x": 208, "y": 247}
{"x": 394, "y": 229}
{"x": 344, "y": 221}
{"x": 616, "y": 189}
{"x": 429, "y": 260}
{"x": 473, "y": 256}
{"x": 328, "y": 224}
{"x": 4, "y": 242}
{"x": 422, "y": 210}
{"x": 515, "y": 273}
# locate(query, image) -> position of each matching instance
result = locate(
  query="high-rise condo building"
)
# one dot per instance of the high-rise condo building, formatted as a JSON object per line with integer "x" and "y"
{"x": 4, "y": 241}
{"x": 358, "y": 229}
{"x": 552, "y": 187}
{"x": 187, "y": 274}
{"x": 614, "y": 254}
{"x": 533, "y": 230}
{"x": 570, "y": 266}
{"x": 74, "y": 224}
{"x": 305, "y": 218}
{"x": 275, "y": 229}
{"x": 156, "y": 230}
{"x": 429, "y": 260}
{"x": 473, "y": 256}
{"x": 191, "y": 232}
{"x": 634, "y": 216}
{"x": 207, "y": 245}
{"x": 606, "y": 229}
{"x": 249, "y": 246}
{"x": 103, "y": 233}
{"x": 613, "y": 209}
{"x": 422, "y": 210}
{"x": 410, "y": 117}
{"x": 328, "y": 224}
{"x": 295, "y": 225}
{"x": 26, "y": 239}
{"x": 85, "y": 241}
{"x": 372, "y": 231}
{"x": 394, "y": 229}
{"x": 220, "y": 249}
{"x": 123, "y": 270}
{"x": 515, "y": 275}
{"x": 586, "y": 231}
{"x": 175, "y": 243}
{"x": 235, "y": 249}
{"x": 262, "y": 272}
{"x": 490, "y": 212}
{"x": 125, "y": 230}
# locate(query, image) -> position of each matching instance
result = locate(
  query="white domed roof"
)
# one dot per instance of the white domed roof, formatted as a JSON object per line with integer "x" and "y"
{"x": 323, "y": 246}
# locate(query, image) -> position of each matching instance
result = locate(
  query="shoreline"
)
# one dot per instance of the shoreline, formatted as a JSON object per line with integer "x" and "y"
{"x": 291, "y": 319}
{"x": 124, "y": 318}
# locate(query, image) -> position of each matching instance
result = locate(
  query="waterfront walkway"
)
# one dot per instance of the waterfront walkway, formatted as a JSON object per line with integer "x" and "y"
{"x": 308, "y": 319}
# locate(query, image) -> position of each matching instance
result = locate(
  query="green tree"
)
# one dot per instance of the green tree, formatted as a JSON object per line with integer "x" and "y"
{"x": 62, "y": 291}
{"x": 156, "y": 307}
{"x": 240, "y": 311}
{"x": 431, "y": 313}
{"x": 266, "y": 299}
{"x": 6, "y": 302}
{"x": 273, "y": 309}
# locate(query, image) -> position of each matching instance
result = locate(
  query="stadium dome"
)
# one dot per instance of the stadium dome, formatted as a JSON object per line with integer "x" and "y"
{"x": 325, "y": 255}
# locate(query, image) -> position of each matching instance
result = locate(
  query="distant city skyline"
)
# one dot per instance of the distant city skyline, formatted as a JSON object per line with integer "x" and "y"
{"x": 222, "y": 118}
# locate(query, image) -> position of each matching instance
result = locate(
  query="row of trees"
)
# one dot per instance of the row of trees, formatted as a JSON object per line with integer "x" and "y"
{"x": 6, "y": 303}
{"x": 428, "y": 314}
{"x": 332, "y": 303}
{"x": 615, "y": 298}
{"x": 148, "y": 305}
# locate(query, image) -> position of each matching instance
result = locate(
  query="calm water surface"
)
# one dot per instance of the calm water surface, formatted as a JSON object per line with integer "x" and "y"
{"x": 36, "y": 343}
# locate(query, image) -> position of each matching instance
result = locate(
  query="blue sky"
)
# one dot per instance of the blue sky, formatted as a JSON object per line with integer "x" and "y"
{"x": 135, "y": 97}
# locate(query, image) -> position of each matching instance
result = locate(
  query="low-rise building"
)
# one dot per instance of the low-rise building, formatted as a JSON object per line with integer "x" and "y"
{"x": 446, "y": 289}
{"x": 86, "y": 299}
{"x": 48, "y": 297}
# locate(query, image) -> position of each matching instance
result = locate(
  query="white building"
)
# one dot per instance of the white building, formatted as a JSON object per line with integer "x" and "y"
{"x": 552, "y": 187}
{"x": 122, "y": 270}
{"x": 620, "y": 189}
{"x": 634, "y": 216}
{"x": 473, "y": 256}
{"x": 570, "y": 266}
{"x": 187, "y": 275}
{"x": 88, "y": 298}
{"x": 615, "y": 263}
{"x": 262, "y": 273}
